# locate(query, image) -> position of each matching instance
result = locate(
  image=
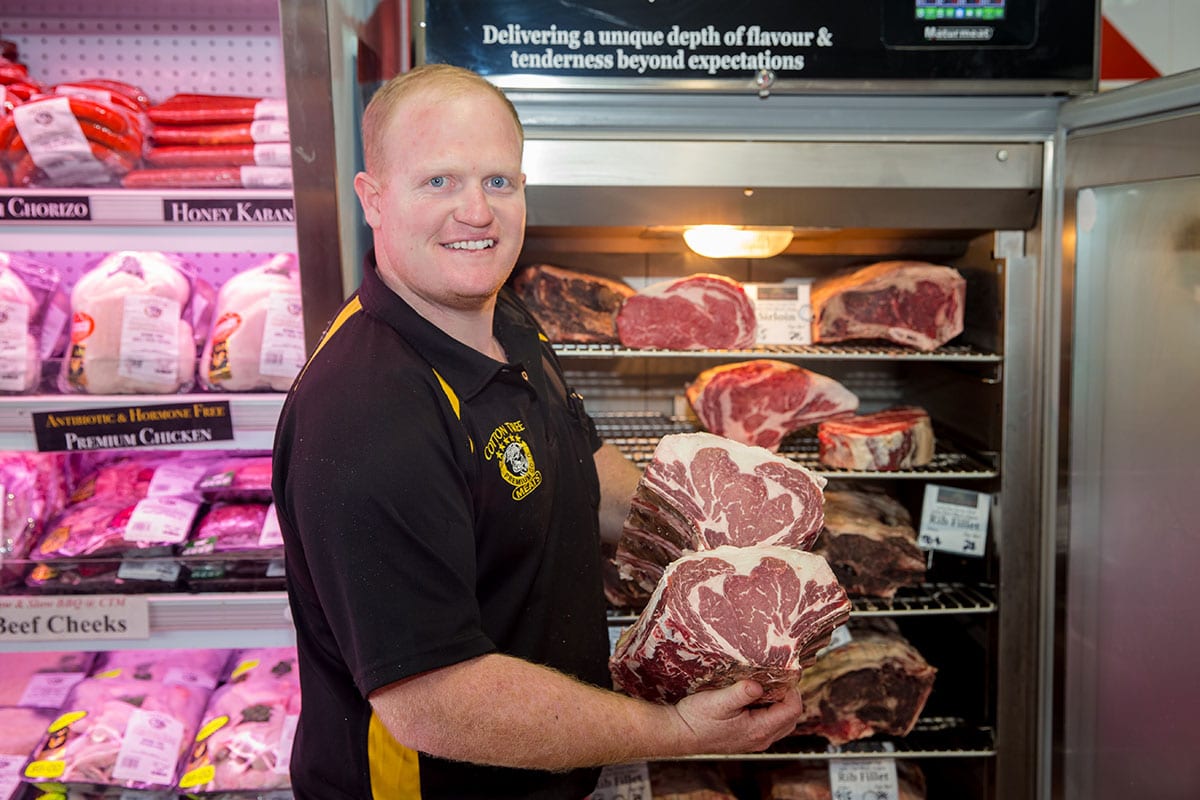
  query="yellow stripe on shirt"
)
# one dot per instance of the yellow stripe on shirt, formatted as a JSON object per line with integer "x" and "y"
{"x": 348, "y": 311}
{"x": 395, "y": 773}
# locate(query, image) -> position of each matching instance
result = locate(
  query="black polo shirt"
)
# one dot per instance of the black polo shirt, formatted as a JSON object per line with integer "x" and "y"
{"x": 436, "y": 505}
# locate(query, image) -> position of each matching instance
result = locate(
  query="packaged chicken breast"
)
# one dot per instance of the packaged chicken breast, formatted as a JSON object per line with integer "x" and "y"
{"x": 32, "y": 319}
{"x": 257, "y": 337}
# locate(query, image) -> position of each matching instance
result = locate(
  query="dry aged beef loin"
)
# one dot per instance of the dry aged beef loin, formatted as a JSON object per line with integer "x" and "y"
{"x": 875, "y": 683}
{"x": 911, "y": 303}
{"x": 897, "y": 438}
{"x": 701, "y": 491}
{"x": 572, "y": 306}
{"x": 759, "y": 402}
{"x": 729, "y": 614}
{"x": 699, "y": 312}
{"x": 809, "y": 780}
{"x": 870, "y": 543}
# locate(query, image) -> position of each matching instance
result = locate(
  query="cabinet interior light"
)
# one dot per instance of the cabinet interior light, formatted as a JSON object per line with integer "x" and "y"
{"x": 737, "y": 241}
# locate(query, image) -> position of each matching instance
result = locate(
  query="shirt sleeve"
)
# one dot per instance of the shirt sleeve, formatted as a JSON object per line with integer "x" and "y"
{"x": 376, "y": 494}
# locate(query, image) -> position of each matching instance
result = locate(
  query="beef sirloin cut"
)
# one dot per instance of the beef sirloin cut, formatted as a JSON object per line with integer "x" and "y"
{"x": 897, "y": 438}
{"x": 911, "y": 303}
{"x": 572, "y": 306}
{"x": 870, "y": 543}
{"x": 701, "y": 491}
{"x": 698, "y": 312}
{"x": 729, "y": 614}
{"x": 875, "y": 683}
{"x": 759, "y": 402}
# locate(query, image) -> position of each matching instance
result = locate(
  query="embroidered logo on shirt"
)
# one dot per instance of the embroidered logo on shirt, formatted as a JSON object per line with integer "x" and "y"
{"x": 513, "y": 457}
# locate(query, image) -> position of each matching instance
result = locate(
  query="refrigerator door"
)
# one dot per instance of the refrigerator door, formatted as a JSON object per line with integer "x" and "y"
{"x": 1126, "y": 699}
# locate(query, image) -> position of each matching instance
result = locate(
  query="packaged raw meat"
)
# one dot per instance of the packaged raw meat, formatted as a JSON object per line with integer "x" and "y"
{"x": 41, "y": 679}
{"x": 75, "y": 139}
{"x": 120, "y": 732}
{"x": 269, "y": 664}
{"x": 100, "y": 545}
{"x": 244, "y": 743}
{"x": 155, "y": 474}
{"x": 34, "y": 310}
{"x": 201, "y": 667}
{"x": 234, "y": 546}
{"x": 211, "y": 109}
{"x": 132, "y": 327}
{"x": 20, "y": 731}
{"x": 238, "y": 479}
{"x": 688, "y": 780}
{"x": 257, "y": 339}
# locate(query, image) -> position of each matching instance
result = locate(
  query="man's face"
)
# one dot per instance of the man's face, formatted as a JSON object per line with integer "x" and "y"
{"x": 448, "y": 203}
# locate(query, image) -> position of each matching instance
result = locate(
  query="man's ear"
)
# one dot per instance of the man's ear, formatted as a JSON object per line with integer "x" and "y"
{"x": 369, "y": 192}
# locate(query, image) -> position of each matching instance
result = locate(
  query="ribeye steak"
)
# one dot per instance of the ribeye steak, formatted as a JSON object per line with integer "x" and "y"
{"x": 729, "y": 614}
{"x": 759, "y": 402}
{"x": 870, "y": 543}
{"x": 698, "y": 312}
{"x": 911, "y": 303}
{"x": 893, "y": 439}
{"x": 701, "y": 491}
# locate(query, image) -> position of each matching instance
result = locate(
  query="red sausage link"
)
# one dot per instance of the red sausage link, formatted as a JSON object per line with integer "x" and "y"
{"x": 187, "y": 177}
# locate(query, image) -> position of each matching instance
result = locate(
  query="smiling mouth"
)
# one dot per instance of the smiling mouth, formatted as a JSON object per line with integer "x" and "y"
{"x": 477, "y": 244}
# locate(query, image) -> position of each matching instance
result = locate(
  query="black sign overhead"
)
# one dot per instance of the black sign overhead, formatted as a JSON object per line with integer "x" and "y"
{"x": 713, "y": 42}
{"x": 228, "y": 211}
{"x": 121, "y": 427}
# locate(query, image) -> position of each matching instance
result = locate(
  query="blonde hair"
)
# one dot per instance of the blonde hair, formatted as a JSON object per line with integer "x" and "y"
{"x": 448, "y": 80}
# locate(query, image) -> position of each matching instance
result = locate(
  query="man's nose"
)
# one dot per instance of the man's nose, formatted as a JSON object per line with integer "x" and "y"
{"x": 475, "y": 208}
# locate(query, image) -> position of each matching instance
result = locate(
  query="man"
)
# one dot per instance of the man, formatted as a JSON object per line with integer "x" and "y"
{"x": 442, "y": 492}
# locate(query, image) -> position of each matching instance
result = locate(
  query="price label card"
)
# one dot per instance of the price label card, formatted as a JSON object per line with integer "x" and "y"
{"x": 954, "y": 520}
{"x": 624, "y": 782}
{"x": 837, "y": 638}
{"x": 863, "y": 779}
{"x": 783, "y": 311}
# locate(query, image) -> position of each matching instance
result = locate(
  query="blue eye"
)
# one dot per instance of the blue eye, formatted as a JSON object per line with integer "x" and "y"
{"x": 497, "y": 182}
{"x": 437, "y": 181}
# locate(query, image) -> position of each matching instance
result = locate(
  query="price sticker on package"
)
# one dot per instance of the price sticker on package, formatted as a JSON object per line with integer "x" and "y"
{"x": 954, "y": 520}
{"x": 783, "y": 312}
{"x": 624, "y": 782}
{"x": 864, "y": 779}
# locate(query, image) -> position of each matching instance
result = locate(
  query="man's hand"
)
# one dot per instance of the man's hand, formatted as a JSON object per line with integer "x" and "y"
{"x": 724, "y": 721}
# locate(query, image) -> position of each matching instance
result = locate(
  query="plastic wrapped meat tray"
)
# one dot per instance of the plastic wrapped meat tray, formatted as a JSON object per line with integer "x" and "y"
{"x": 238, "y": 479}
{"x": 120, "y": 733}
{"x": 229, "y": 552}
{"x": 95, "y": 545}
{"x": 41, "y": 679}
{"x": 203, "y": 668}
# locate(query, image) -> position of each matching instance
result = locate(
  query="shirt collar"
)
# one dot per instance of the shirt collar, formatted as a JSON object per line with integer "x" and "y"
{"x": 466, "y": 370}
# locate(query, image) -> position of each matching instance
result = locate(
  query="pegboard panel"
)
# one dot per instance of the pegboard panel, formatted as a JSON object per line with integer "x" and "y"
{"x": 241, "y": 56}
{"x": 216, "y": 268}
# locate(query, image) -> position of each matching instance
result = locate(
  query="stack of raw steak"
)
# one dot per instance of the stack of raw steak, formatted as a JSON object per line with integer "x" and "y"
{"x": 897, "y": 438}
{"x": 911, "y": 303}
{"x": 739, "y": 596}
{"x": 571, "y": 306}
{"x": 869, "y": 542}
{"x": 875, "y": 683}
{"x": 698, "y": 312}
{"x": 729, "y": 614}
{"x": 759, "y": 402}
{"x": 809, "y": 780}
{"x": 701, "y": 491}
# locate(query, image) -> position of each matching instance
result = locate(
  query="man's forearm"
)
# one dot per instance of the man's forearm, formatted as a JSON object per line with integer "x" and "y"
{"x": 508, "y": 712}
{"x": 618, "y": 481}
